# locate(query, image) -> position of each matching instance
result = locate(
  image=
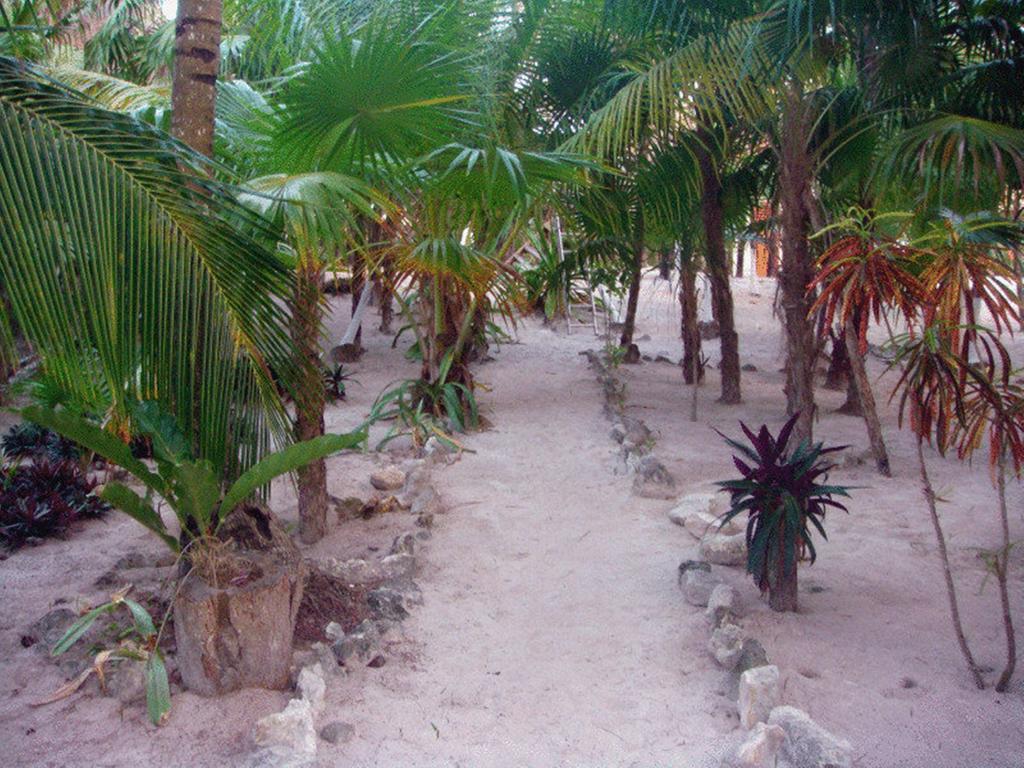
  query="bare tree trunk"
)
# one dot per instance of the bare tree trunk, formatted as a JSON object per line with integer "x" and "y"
{"x": 954, "y": 608}
{"x": 689, "y": 329}
{"x": 740, "y": 246}
{"x": 867, "y": 400}
{"x": 795, "y": 171}
{"x": 711, "y": 215}
{"x": 310, "y": 399}
{"x": 196, "y": 62}
{"x": 1002, "y": 574}
{"x": 358, "y": 266}
{"x": 838, "y": 373}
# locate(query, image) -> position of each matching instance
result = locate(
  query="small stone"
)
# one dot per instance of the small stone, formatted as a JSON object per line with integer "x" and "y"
{"x": 749, "y": 368}
{"x": 759, "y": 750}
{"x": 700, "y": 524}
{"x": 722, "y": 549}
{"x": 427, "y": 502}
{"x": 698, "y": 586}
{"x": 127, "y": 682}
{"x": 289, "y": 733}
{"x": 337, "y": 732}
{"x": 388, "y": 603}
{"x": 653, "y": 480}
{"x": 726, "y": 645}
{"x": 348, "y": 508}
{"x": 618, "y": 433}
{"x": 325, "y": 657}
{"x": 425, "y": 521}
{"x": 389, "y": 478}
{"x": 753, "y": 655}
{"x": 360, "y": 643}
{"x": 436, "y": 452}
{"x": 807, "y": 744}
{"x": 355, "y": 571}
{"x": 334, "y": 631}
{"x": 398, "y": 566}
{"x": 759, "y": 695}
{"x": 312, "y": 687}
{"x": 404, "y": 543}
{"x": 721, "y": 605}
{"x": 376, "y": 662}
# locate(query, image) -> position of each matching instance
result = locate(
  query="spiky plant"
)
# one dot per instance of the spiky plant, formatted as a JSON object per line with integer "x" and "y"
{"x": 784, "y": 493}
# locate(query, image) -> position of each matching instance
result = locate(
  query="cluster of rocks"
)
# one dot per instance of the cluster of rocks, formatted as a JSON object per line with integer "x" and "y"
{"x": 777, "y": 736}
{"x": 652, "y": 479}
{"x": 289, "y": 738}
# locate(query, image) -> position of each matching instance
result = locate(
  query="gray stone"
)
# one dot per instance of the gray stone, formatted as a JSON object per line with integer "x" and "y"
{"x": 721, "y": 605}
{"x": 389, "y": 478}
{"x": 334, "y": 631}
{"x": 355, "y": 571}
{"x": 726, "y": 645}
{"x": 653, "y": 480}
{"x": 701, "y": 523}
{"x": 337, "y": 732}
{"x": 698, "y": 585}
{"x": 721, "y": 549}
{"x": 759, "y": 695}
{"x": 398, "y": 566}
{"x": 404, "y": 543}
{"x": 388, "y": 603}
{"x": 288, "y": 735}
{"x": 807, "y": 744}
{"x": 753, "y": 655}
{"x": 436, "y": 452}
{"x": 759, "y": 750}
{"x": 312, "y": 687}
{"x": 427, "y": 502}
{"x": 325, "y": 657}
{"x": 127, "y": 681}
{"x": 361, "y": 642}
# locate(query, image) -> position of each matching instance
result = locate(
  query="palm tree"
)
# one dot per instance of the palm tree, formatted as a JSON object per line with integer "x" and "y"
{"x": 196, "y": 63}
{"x": 128, "y": 263}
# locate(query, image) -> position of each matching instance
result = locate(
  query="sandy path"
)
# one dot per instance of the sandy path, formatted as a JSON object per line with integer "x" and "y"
{"x": 552, "y": 632}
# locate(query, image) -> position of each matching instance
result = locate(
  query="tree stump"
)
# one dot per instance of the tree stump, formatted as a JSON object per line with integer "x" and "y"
{"x": 238, "y": 635}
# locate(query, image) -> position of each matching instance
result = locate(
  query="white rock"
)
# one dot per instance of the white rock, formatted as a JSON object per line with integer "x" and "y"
{"x": 398, "y": 566}
{"x": 807, "y": 744}
{"x": 721, "y": 604}
{"x": 389, "y": 478}
{"x": 698, "y": 586}
{"x": 722, "y": 549}
{"x": 759, "y": 694}
{"x": 289, "y": 735}
{"x": 699, "y": 524}
{"x": 334, "y": 631}
{"x": 355, "y": 571}
{"x": 759, "y": 750}
{"x": 726, "y": 645}
{"x": 312, "y": 687}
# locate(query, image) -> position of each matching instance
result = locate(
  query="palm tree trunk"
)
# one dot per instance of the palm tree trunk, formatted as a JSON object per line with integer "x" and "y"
{"x": 782, "y": 579}
{"x": 358, "y": 285}
{"x": 740, "y": 246}
{"x": 689, "y": 328}
{"x": 1002, "y": 574}
{"x": 310, "y": 400}
{"x": 196, "y": 62}
{"x": 385, "y": 285}
{"x": 636, "y": 274}
{"x": 859, "y": 376}
{"x": 940, "y": 537}
{"x": 797, "y": 265}
{"x": 711, "y": 215}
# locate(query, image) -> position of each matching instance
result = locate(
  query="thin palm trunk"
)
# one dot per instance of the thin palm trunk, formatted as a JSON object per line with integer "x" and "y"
{"x": 636, "y": 274}
{"x": 797, "y": 264}
{"x": 310, "y": 400}
{"x": 783, "y": 584}
{"x": 689, "y": 328}
{"x": 859, "y": 376}
{"x": 1002, "y": 575}
{"x": 940, "y": 537}
{"x": 711, "y": 215}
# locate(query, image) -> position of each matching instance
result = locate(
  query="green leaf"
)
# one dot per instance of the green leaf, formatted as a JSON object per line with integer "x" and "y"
{"x": 197, "y": 491}
{"x": 291, "y": 458}
{"x": 169, "y": 442}
{"x": 79, "y": 628}
{"x": 133, "y": 505}
{"x": 143, "y": 621}
{"x": 96, "y": 440}
{"x": 158, "y": 691}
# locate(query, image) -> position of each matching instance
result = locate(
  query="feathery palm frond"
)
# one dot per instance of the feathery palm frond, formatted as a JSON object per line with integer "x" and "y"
{"x": 118, "y": 249}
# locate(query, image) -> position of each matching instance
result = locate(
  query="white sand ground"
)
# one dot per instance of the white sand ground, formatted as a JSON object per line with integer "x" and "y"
{"x": 552, "y": 632}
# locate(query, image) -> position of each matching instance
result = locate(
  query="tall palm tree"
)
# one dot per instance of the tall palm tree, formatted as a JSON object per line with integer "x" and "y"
{"x": 196, "y": 63}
